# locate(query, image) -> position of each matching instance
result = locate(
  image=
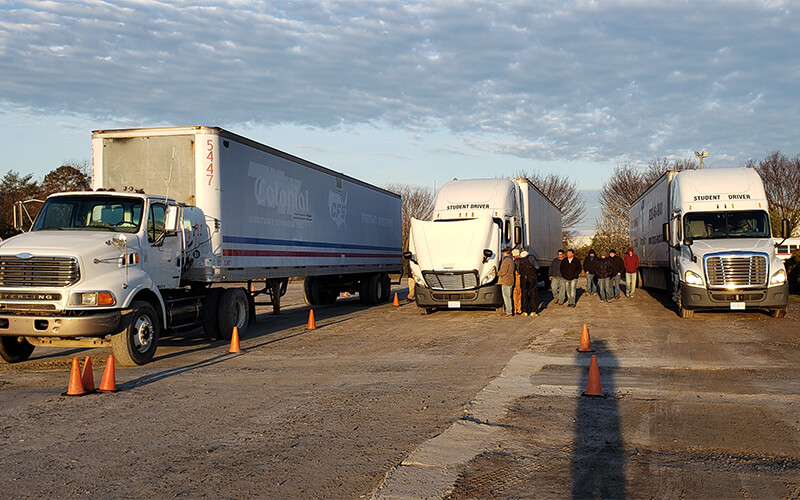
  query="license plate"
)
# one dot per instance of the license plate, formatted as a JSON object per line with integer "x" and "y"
{"x": 737, "y": 306}
{"x": 454, "y": 304}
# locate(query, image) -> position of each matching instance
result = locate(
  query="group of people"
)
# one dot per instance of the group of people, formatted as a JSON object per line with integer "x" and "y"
{"x": 603, "y": 274}
{"x": 519, "y": 283}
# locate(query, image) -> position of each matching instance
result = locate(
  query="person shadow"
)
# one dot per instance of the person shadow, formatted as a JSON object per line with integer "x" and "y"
{"x": 598, "y": 460}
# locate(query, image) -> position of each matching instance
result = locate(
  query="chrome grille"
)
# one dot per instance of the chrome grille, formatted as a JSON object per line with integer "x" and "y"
{"x": 451, "y": 280}
{"x": 38, "y": 271}
{"x": 736, "y": 271}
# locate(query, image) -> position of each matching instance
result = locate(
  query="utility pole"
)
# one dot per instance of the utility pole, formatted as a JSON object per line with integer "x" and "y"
{"x": 701, "y": 156}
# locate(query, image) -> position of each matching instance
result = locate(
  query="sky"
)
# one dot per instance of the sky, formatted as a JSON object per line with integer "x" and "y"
{"x": 411, "y": 91}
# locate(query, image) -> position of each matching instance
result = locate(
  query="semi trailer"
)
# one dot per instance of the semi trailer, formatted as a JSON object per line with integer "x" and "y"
{"x": 185, "y": 227}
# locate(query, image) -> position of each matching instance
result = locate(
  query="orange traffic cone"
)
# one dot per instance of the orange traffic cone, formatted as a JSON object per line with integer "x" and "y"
{"x": 235, "y": 341}
{"x": 593, "y": 387}
{"x": 396, "y": 302}
{"x": 75, "y": 387}
{"x": 585, "y": 345}
{"x": 87, "y": 376}
{"x": 108, "y": 384}
{"x": 312, "y": 325}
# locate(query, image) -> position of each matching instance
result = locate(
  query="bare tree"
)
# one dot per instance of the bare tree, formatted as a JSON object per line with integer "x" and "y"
{"x": 417, "y": 202}
{"x": 781, "y": 176}
{"x": 564, "y": 194}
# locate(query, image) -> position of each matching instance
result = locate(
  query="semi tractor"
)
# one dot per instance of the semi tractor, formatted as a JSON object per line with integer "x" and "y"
{"x": 704, "y": 236}
{"x": 454, "y": 257}
{"x": 185, "y": 227}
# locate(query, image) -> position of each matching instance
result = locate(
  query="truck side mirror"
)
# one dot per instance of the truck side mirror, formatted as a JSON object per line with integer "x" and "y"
{"x": 409, "y": 256}
{"x": 517, "y": 235}
{"x": 688, "y": 242}
{"x": 171, "y": 220}
{"x": 785, "y": 230}
{"x": 665, "y": 232}
{"x": 486, "y": 254}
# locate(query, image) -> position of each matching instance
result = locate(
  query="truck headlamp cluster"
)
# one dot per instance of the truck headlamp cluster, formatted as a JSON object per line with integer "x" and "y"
{"x": 489, "y": 276}
{"x": 92, "y": 299}
{"x": 692, "y": 278}
{"x": 778, "y": 278}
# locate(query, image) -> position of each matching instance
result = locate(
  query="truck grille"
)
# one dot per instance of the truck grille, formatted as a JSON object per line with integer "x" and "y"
{"x": 38, "y": 271}
{"x": 451, "y": 280}
{"x": 736, "y": 271}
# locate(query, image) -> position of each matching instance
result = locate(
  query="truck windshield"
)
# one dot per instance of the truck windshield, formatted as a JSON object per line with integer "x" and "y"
{"x": 714, "y": 225}
{"x": 91, "y": 213}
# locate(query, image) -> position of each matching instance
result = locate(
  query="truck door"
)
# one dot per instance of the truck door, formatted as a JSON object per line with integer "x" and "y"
{"x": 163, "y": 263}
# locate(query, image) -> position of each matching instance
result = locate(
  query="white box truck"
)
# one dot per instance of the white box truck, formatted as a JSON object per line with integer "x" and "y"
{"x": 454, "y": 257}
{"x": 704, "y": 236}
{"x": 174, "y": 214}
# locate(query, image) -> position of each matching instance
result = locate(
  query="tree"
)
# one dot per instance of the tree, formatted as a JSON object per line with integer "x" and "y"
{"x": 71, "y": 176}
{"x": 14, "y": 187}
{"x": 781, "y": 176}
{"x": 564, "y": 194}
{"x": 417, "y": 202}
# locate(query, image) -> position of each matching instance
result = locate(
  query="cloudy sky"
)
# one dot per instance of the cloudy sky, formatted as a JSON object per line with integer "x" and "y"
{"x": 407, "y": 91}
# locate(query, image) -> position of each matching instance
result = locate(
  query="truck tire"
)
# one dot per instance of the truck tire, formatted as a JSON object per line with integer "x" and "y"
{"x": 14, "y": 349}
{"x": 375, "y": 292}
{"x": 386, "y": 287}
{"x": 233, "y": 310}
{"x": 778, "y": 313}
{"x": 136, "y": 343}
{"x": 308, "y": 283}
{"x": 210, "y": 308}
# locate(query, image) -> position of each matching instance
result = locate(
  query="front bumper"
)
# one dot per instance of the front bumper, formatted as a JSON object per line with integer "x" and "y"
{"x": 775, "y": 297}
{"x": 95, "y": 325}
{"x": 487, "y": 296}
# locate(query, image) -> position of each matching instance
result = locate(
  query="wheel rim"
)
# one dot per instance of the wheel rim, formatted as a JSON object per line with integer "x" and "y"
{"x": 379, "y": 290}
{"x": 143, "y": 333}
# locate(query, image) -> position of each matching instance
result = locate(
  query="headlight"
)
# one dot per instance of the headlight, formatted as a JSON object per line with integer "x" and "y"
{"x": 490, "y": 276}
{"x": 92, "y": 299}
{"x": 692, "y": 278}
{"x": 778, "y": 278}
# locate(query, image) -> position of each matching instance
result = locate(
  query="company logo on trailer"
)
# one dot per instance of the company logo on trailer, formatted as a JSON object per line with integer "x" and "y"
{"x": 337, "y": 205}
{"x": 274, "y": 189}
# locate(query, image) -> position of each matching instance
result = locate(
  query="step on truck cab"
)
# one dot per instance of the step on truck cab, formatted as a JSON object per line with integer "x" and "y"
{"x": 184, "y": 228}
{"x": 705, "y": 237}
{"x": 454, "y": 257}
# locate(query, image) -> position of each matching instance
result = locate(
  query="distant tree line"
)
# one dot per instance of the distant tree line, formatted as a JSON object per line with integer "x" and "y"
{"x": 73, "y": 175}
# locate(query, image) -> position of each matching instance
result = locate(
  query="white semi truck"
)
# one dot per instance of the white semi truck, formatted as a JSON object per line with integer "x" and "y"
{"x": 454, "y": 257}
{"x": 185, "y": 227}
{"x": 704, "y": 236}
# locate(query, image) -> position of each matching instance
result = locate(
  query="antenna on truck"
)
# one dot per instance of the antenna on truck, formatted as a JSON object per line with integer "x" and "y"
{"x": 169, "y": 179}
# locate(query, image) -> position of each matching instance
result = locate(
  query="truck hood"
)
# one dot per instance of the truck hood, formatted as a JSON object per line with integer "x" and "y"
{"x": 452, "y": 244}
{"x": 64, "y": 243}
{"x": 703, "y": 247}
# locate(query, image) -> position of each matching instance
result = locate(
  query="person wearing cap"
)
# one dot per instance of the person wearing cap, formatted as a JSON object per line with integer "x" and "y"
{"x": 556, "y": 281}
{"x": 570, "y": 271}
{"x": 529, "y": 284}
{"x": 617, "y": 268}
{"x": 603, "y": 270}
{"x": 631, "y": 268}
{"x": 588, "y": 266}
{"x": 517, "y": 290}
{"x": 505, "y": 278}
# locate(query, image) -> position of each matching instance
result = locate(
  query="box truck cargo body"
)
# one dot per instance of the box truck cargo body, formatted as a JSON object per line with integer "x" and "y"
{"x": 454, "y": 257}
{"x": 174, "y": 213}
{"x": 705, "y": 237}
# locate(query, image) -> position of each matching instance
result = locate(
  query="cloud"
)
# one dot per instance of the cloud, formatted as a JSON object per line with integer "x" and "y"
{"x": 567, "y": 80}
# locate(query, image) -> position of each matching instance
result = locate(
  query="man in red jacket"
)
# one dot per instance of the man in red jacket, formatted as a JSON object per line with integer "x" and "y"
{"x": 631, "y": 267}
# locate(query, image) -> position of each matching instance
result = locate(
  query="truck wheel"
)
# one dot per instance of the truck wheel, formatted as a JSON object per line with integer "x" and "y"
{"x": 233, "y": 310}
{"x": 136, "y": 343}
{"x": 375, "y": 293}
{"x": 210, "y": 307}
{"x": 386, "y": 287}
{"x": 15, "y": 349}
{"x": 308, "y": 285}
{"x": 775, "y": 313}
{"x": 363, "y": 289}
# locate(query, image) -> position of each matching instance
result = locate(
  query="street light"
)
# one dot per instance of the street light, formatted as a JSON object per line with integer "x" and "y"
{"x": 701, "y": 156}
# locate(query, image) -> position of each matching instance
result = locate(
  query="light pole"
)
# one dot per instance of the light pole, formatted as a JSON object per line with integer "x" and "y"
{"x": 701, "y": 156}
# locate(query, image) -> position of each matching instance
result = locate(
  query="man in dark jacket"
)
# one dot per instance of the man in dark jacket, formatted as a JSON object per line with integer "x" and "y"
{"x": 570, "y": 270}
{"x": 588, "y": 266}
{"x": 529, "y": 284}
{"x": 603, "y": 270}
{"x": 556, "y": 281}
{"x": 631, "y": 268}
{"x": 618, "y": 267}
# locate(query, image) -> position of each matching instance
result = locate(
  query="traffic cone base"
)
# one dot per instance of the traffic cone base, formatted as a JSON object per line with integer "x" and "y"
{"x": 108, "y": 384}
{"x": 87, "y": 376}
{"x": 75, "y": 387}
{"x": 585, "y": 344}
{"x": 312, "y": 325}
{"x": 593, "y": 387}
{"x": 396, "y": 302}
{"x": 235, "y": 349}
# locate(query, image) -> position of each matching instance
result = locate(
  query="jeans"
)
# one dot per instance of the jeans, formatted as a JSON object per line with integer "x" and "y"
{"x": 591, "y": 286}
{"x": 572, "y": 290}
{"x": 559, "y": 292}
{"x": 630, "y": 283}
{"x": 508, "y": 302}
{"x": 604, "y": 288}
{"x": 615, "y": 286}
